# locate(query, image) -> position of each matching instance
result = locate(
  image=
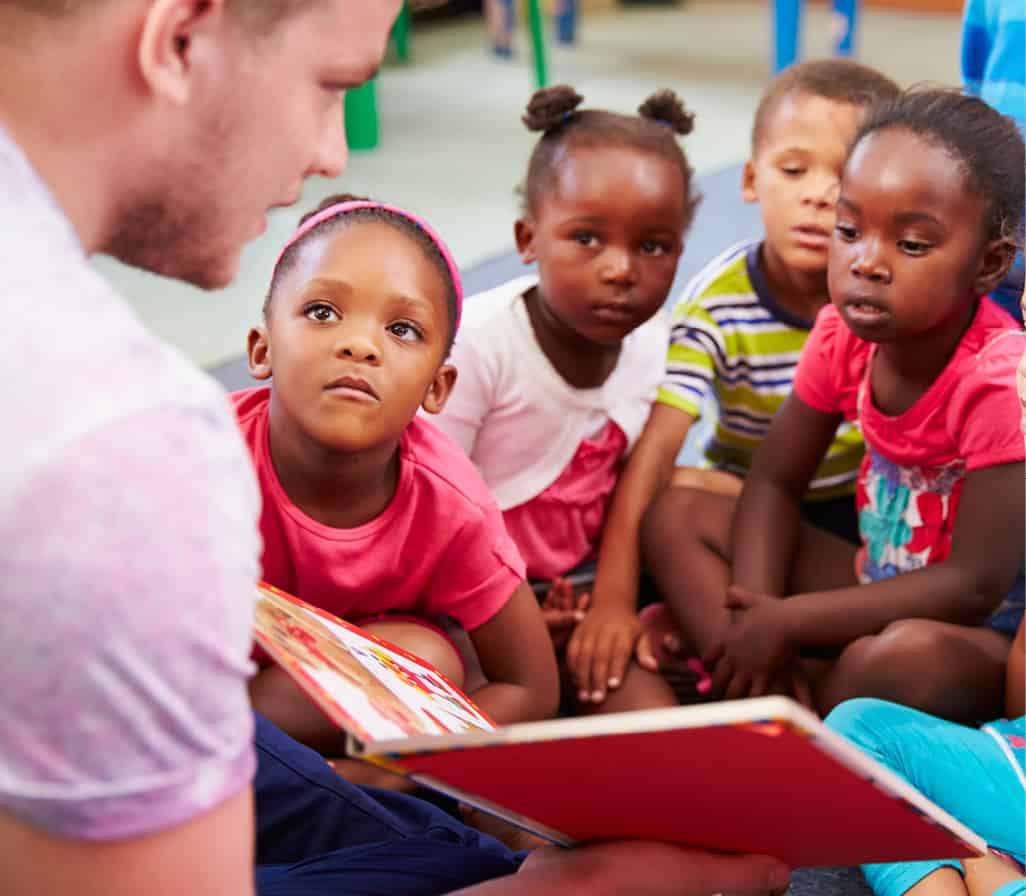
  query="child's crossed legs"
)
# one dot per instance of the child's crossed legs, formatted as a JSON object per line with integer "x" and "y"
{"x": 953, "y": 671}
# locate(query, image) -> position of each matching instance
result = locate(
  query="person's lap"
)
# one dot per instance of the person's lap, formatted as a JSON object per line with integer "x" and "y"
{"x": 941, "y": 759}
{"x": 317, "y": 833}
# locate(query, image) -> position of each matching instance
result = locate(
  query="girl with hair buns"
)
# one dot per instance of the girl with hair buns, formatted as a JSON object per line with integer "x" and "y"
{"x": 558, "y": 368}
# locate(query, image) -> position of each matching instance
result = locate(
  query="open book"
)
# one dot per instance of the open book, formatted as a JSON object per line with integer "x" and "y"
{"x": 757, "y": 776}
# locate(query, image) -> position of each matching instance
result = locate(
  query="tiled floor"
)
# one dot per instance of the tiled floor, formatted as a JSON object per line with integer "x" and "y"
{"x": 453, "y": 147}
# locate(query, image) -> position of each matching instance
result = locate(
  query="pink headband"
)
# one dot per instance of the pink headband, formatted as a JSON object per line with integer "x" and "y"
{"x": 344, "y": 208}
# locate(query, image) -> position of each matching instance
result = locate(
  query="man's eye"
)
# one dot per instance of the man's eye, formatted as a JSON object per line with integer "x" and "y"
{"x": 585, "y": 238}
{"x": 320, "y": 312}
{"x": 846, "y": 232}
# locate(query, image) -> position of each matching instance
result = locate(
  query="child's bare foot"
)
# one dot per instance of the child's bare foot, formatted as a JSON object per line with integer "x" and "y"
{"x": 661, "y": 648}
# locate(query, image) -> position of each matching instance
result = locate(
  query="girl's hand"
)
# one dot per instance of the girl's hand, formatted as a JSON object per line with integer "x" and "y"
{"x": 599, "y": 650}
{"x": 562, "y": 610}
{"x": 756, "y": 648}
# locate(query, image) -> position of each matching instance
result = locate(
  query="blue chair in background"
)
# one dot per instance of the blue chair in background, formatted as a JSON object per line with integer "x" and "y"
{"x": 787, "y": 15}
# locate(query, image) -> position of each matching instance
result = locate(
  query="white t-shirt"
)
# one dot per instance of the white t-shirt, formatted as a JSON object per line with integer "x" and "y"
{"x": 516, "y": 418}
{"x": 128, "y": 515}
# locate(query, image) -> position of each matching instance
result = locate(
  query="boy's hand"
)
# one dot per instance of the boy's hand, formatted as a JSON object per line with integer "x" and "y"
{"x": 599, "y": 650}
{"x": 562, "y": 610}
{"x": 756, "y": 648}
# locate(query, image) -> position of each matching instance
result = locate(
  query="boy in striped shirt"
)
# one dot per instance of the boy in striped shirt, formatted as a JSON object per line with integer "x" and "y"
{"x": 737, "y": 334}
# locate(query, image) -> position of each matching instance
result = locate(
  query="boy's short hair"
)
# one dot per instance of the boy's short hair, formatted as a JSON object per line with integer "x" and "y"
{"x": 839, "y": 80}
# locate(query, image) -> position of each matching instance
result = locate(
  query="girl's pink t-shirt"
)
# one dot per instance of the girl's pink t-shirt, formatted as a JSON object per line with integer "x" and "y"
{"x": 561, "y": 528}
{"x": 438, "y": 549}
{"x": 916, "y": 462}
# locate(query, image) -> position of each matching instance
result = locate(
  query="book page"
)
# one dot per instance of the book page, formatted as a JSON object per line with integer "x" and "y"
{"x": 374, "y": 690}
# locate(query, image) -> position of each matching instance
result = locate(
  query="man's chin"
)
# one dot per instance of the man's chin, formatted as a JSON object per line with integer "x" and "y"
{"x": 204, "y": 273}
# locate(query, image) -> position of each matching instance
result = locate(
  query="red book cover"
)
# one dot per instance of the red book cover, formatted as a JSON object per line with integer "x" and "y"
{"x": 756, "y": 776}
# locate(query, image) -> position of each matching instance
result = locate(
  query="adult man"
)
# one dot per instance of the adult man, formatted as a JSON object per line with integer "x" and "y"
{"x": 161, "y": 132}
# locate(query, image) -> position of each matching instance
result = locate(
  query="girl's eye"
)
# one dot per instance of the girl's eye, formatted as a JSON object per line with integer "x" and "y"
{"x": 846, "y": 232}
{"x": 586, "y": 238}
{"x": 320, "y": 313}
{"x": 913, "y": 247}
{"x": 404, "y": 331}
{"x": 653, "y": 247}
{"x": 792, "y": 170}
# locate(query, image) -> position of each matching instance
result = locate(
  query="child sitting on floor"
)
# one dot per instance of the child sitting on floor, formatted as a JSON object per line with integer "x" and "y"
{"x": 557, "y": 370}
{"x": 369, "y": 512}
{"x": 737, "y": 334}
{"x": 928, "y": 219}
{"x": 976, "y": 774}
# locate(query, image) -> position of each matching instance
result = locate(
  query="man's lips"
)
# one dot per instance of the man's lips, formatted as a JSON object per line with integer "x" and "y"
{"x": 353, "y": 387}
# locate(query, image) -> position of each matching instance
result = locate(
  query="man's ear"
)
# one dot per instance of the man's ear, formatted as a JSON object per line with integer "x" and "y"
{"x": 523, "y": 232}
{"x": 258, "y": 353}
{"x": 748, "y": 192}
{"x": 998, "y": 256}
{"x": 167, "y": 44}
{"x": 440, "y": 389}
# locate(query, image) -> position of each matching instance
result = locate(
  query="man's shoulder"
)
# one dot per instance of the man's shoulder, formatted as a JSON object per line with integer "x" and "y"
{"x": 76, "y": 358}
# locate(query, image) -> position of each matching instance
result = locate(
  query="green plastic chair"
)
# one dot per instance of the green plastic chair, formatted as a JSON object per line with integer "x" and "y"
{"x": 361, "y": 111}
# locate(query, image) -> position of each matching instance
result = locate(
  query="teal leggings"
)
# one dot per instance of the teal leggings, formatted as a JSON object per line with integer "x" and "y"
{"x": 962, "y": 770}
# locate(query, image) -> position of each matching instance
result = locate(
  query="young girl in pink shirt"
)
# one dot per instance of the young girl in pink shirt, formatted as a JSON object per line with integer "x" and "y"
{"x": 923, "y": 612}
{"x": 369, "y": 511}
{"x": 558, "y": 370}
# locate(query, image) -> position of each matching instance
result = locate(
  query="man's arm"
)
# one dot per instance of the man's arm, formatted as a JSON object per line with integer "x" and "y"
{"x": 638, "y": 869}
{"x": 125, "y": 619}
{"x": 209, "y": 856}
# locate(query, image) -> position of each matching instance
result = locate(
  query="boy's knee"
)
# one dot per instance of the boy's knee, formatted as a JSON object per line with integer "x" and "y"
{"x": 672, "y": 515}
{"x": 908, "y": 644}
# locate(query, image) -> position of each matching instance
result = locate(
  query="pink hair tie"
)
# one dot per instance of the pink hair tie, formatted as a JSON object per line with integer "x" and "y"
{"x": 344, "y": 208}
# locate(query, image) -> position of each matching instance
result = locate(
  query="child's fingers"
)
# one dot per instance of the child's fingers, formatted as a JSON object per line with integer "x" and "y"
{"x": 739, "y": 686}
{"x": 583, "y": 602}
{"x": 723, "y": 672}
{"x": 566, "y": 594}
{"x": 598, "y": 671}
{"x": 616, "y": 666}
{"x": 759, "y": 686}
{"x": 559, "y": 619}
{"x": 602, "y": 665}
{"x": 579, "y": 653}
{"x": 801, "y": 691}
{"x": 645, "y": 654}
{"x": 556, "y": 598}
{"x": 711, "y": 658}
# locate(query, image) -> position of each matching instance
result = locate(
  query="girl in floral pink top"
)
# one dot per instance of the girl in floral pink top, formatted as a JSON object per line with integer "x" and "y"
{"x": 924, "y": 611}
